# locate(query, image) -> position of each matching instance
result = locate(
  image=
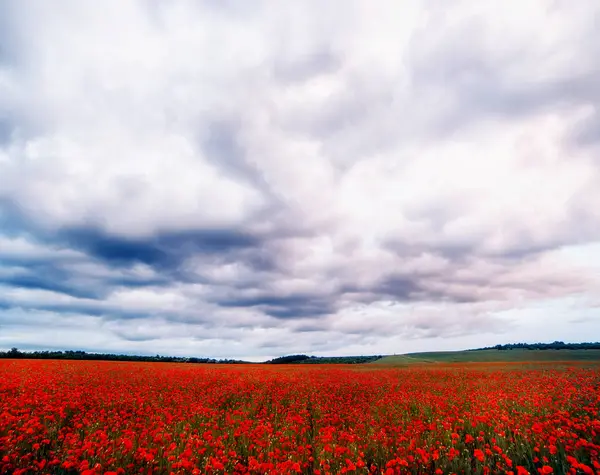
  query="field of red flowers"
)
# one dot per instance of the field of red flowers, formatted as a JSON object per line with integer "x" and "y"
{"x": 124, "y": 418}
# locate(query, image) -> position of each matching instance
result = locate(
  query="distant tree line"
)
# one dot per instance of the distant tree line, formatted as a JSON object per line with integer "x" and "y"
{"x": 556, "y": 345}
{"x": 82, "y": 355}
{"x": 304, "y": 359}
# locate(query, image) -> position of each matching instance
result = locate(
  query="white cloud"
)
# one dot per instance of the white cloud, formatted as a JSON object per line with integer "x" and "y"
{"x": 418, "y": 152}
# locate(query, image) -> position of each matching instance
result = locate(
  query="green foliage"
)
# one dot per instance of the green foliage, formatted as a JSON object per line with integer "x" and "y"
{"x": 493, "y": 355}
{"x": 290, "y": 359}
{"x": 82, "y": 355}
{"x": 556, "y": 345}
{"x": 402, "y": 360}
{"x": 304, "y": 359}
{"x": 555, "y": 351}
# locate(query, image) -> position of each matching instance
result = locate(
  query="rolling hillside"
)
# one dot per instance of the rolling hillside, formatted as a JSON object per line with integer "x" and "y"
{"x": 515, "y": 355}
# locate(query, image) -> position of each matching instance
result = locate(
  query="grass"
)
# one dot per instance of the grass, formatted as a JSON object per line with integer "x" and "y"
{"x": 485, "y": 356}
{"x": 401, "y": 360}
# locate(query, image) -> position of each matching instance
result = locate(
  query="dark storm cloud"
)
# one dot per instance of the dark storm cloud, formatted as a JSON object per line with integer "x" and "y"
{"x": 310, "y": 328}
{"x": 93, "y": 309}
{"x": 13, "y": 220}
{"x": 137, "y": 282}
{"x": 54, "y": 272}
{"x": 166, "y": 253}
{"x": 125, "y": 336}
{"x": 286, "y": 306}
{"x": 165, "y": 250}
{"x": 400, "y": 288}
{"x": 115, "y": 250}
{"x": 43, "y": 280}
{"x": 454, "y": 250}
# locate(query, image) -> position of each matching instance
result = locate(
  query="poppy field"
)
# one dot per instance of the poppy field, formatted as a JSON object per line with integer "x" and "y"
{"x": 108, "y": 418}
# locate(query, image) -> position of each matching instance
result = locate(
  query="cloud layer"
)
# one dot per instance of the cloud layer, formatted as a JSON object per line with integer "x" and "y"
{"x": 206, "y": 178}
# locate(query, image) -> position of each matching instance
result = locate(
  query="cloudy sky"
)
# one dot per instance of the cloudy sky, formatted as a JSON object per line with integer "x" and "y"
{"x": 250, "y": 179}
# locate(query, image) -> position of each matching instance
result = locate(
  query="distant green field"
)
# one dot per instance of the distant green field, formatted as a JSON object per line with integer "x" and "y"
{"x": 483, "y": 356}
{"x": 401, "y": 360}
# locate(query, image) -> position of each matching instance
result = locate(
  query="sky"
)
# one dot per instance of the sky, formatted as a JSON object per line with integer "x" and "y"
{"x": 235, "y": 179}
